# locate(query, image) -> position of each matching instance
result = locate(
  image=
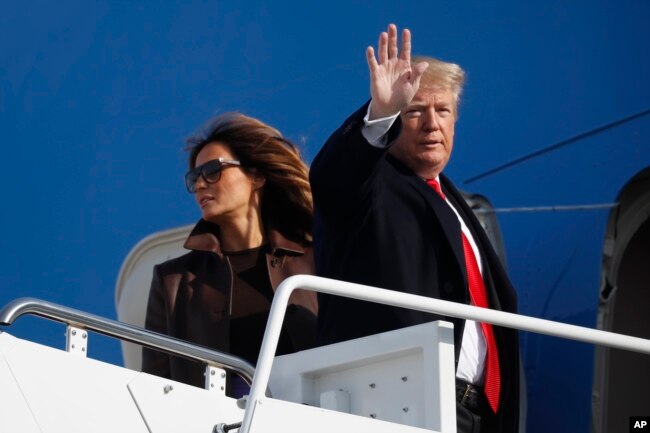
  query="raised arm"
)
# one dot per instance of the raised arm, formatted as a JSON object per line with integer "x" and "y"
{"x": 393, "y": 81}
{"x": 341, "y": 173}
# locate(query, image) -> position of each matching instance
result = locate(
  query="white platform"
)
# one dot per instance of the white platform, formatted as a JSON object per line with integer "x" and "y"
{"x": 404, "y": 376}
{"x": 392, "y": 382}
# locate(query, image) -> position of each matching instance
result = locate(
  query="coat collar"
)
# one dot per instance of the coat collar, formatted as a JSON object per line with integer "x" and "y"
{"x": 205, "y": 237}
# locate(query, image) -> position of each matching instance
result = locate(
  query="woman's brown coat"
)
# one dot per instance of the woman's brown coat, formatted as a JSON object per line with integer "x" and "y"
{"x": 190, "y": 299}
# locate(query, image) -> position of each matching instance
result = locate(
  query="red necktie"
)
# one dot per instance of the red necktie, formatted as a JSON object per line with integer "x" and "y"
{"x": 478, "y": 296}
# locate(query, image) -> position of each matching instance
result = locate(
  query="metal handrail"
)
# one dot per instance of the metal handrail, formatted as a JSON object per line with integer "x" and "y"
{"x": 418, "y": 303}
{"x": 126, "y": 332}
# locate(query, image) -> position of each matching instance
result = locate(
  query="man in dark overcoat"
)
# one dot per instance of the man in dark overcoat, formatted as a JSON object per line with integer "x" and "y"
{"x": 386, "y": 216}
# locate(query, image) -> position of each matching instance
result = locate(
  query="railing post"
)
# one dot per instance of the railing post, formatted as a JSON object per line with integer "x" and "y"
{"x": 76, "y": 341}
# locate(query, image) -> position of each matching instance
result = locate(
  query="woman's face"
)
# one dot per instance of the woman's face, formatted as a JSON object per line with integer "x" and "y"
{"x": 234, "y": 196}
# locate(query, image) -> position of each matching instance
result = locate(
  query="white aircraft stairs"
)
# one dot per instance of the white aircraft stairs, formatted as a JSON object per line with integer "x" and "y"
{"x": 398, "y": 382}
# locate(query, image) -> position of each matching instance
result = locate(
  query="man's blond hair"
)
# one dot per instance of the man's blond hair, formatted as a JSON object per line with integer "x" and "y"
{"x": 442, "y": 74}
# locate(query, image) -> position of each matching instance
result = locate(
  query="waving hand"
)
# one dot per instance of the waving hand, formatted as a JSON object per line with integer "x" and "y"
{"x": 393, "y": 82}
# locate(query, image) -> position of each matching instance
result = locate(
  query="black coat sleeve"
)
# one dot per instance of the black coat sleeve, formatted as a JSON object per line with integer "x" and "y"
{"x": 341, "y": 173}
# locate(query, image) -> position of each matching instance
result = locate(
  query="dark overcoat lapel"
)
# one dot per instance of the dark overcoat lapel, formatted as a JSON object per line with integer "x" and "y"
{"x": 445, "y": 216}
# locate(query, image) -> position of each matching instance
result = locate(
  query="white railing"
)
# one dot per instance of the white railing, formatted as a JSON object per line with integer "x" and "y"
{"x": 414, "y": 302}
{"x": 126, "y": 332}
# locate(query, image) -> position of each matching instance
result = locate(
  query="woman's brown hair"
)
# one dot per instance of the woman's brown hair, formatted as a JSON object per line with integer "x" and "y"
{"x": 286, "y": 197}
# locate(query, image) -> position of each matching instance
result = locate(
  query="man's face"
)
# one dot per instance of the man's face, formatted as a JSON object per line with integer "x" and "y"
{"x": 427, "y": 136}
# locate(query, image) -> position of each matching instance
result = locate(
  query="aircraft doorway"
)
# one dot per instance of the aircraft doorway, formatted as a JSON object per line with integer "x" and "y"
{"x": 622, "y": 378}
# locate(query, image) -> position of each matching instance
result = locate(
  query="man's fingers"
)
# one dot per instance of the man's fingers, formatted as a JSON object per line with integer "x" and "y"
{"x": 416, "y": 73}
{"x": 383, "y": 48}
{"x": 406, "y": 46}
{"x": 420, "y": 68}
{"x": 372, "y": 62}
{"x": 392, "y": 41}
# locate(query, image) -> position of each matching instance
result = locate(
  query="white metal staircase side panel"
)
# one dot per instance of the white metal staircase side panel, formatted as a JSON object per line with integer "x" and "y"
{"x": 15, "y": 415}
{"x": 168, "y": 406}
{"x": 405, "y": 376}
{"x": 68, "y": 393}
{"x": 275, "y": 416}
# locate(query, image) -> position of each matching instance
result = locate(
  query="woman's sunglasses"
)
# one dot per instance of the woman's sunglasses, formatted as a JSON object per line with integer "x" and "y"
{"x": 210, "y": 172}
